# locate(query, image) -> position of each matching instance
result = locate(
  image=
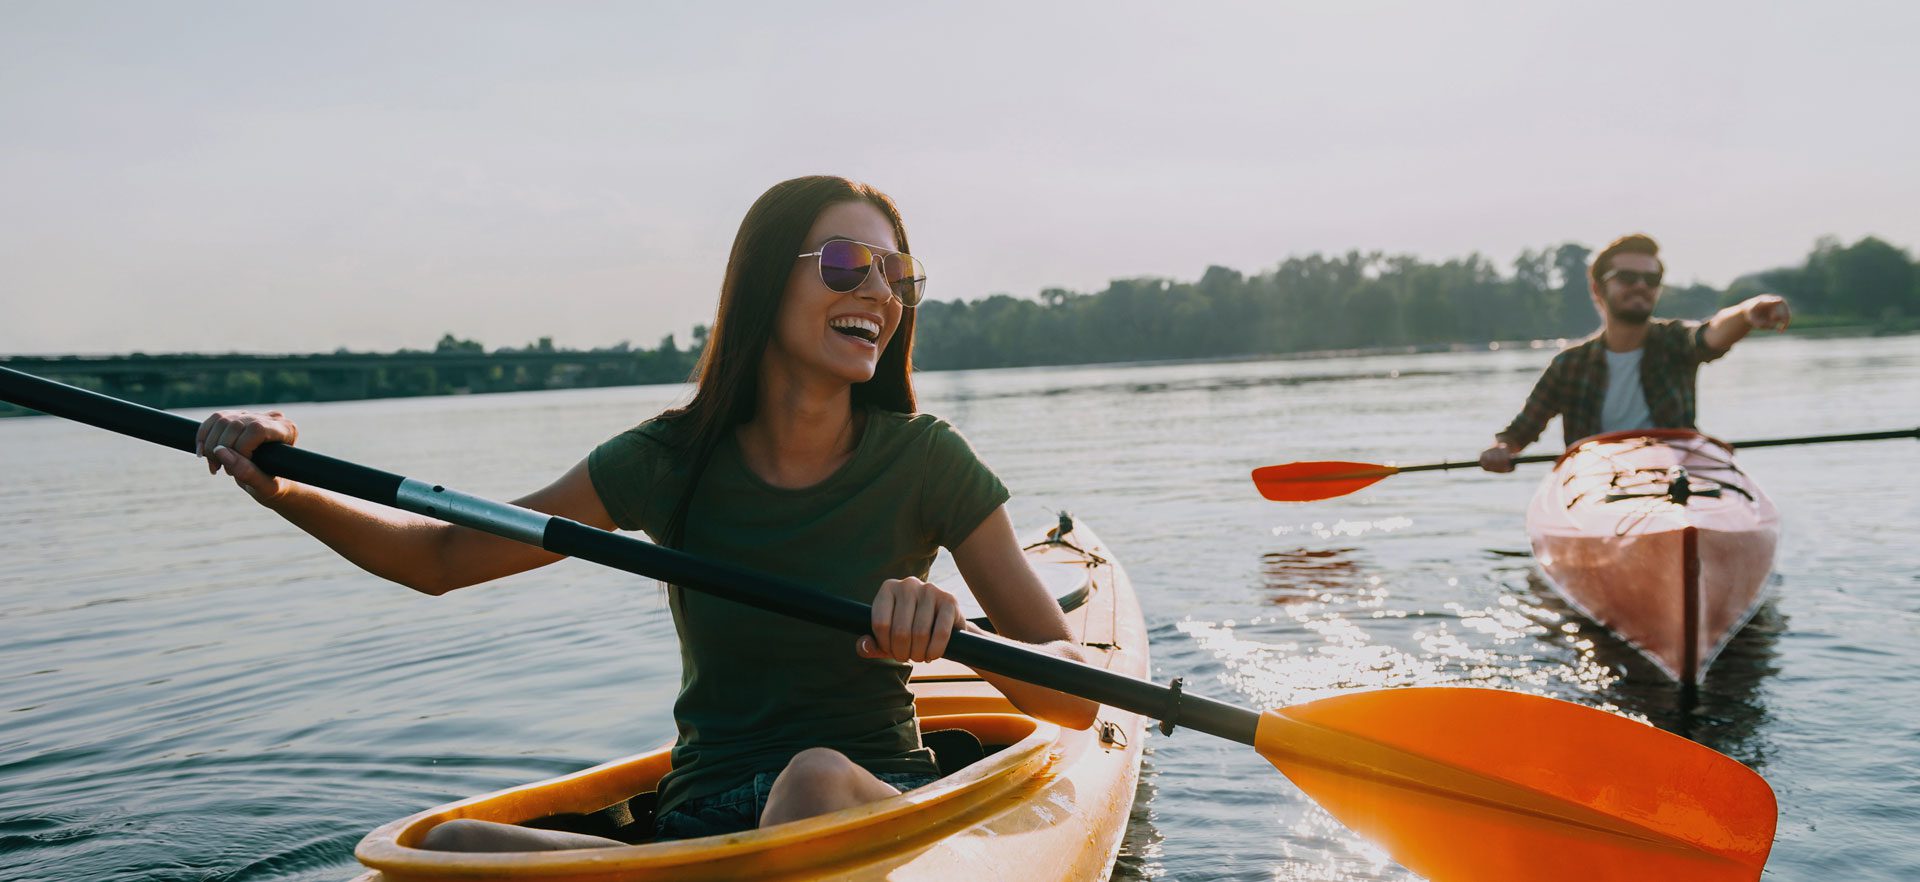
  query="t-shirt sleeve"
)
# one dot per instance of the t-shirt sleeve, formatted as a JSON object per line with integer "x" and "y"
{"x": 1692, "y": 342}
{"x": 629, "y": 472}
{"x": 957, "y": 490}
{"x": 1543, "y": 404}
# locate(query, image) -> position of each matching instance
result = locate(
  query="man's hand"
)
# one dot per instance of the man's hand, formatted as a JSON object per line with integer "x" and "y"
{"x": 1498, "y": 458}
{"x": 1766, "y": 311}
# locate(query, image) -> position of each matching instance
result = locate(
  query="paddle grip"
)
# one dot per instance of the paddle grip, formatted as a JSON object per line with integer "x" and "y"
{"x": 1474, "y": 463}
{"x": 1830, "y": 439}
{"x": 1180, "y": 708}
{"x": 1737, "y": 445}
{"x": 177, "y": 432}
{"x": 738, "y": 584}
{"x": 95, "y": 409}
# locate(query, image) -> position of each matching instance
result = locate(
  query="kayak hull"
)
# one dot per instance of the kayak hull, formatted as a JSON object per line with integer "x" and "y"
{"x": 1045, "y": 803}
{"x": 1671, "y": 570}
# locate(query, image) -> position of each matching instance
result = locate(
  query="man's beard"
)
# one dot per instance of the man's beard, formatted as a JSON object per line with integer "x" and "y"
{"x": 1632, "y": 315}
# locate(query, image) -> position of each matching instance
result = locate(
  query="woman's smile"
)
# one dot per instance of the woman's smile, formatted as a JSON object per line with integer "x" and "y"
{"x": 862, "y": 329}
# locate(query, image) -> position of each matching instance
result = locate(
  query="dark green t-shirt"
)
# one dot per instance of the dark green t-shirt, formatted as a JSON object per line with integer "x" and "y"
{"x": 756, "y": 688}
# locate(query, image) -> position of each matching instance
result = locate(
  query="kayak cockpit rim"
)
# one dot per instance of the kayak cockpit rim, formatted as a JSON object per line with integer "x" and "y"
{"x": 1025, "y": 764}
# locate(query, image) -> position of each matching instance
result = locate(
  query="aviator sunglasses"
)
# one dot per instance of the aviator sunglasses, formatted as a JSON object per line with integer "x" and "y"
{"x": 1633, "y": 277}
{"x": 845, "y": 265}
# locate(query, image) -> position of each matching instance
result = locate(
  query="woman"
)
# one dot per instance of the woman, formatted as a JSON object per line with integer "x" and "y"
{"x": 800, "y": 454}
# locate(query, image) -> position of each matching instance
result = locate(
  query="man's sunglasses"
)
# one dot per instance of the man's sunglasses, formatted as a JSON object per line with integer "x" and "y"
{"x": 1633, "y": 277}
{"x": 845, "y": 265}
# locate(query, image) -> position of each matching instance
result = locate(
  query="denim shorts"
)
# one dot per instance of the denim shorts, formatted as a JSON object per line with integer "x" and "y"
{"x": 737, "y": 809}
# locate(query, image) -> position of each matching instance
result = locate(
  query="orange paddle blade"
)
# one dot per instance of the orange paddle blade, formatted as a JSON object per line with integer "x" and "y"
{"x": 1492, "y": 786}
{"x": 1308, "y": 481}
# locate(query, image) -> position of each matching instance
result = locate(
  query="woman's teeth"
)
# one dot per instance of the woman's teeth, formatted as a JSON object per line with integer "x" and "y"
{"x": 854, "y": 326}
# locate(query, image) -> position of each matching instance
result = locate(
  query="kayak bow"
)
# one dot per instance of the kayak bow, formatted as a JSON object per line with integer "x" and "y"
{"x": 1659, "y": 536}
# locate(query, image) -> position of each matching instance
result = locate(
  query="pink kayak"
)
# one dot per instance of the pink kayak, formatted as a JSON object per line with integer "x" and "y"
{"x": 1658, "y": 535}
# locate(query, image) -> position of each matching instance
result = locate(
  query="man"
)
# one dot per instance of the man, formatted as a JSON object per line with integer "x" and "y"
{"x": 1637, "y": 372}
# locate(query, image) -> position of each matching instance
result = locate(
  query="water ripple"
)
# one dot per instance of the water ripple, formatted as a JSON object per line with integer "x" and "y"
{"x": 194, "y": 690}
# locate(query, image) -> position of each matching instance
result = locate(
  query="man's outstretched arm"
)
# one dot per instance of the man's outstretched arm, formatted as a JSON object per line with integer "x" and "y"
{"x": 1729, "y": 325}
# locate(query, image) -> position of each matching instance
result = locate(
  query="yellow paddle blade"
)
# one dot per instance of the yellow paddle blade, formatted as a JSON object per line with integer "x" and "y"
{"x": 1310, "y": 481}
{"x": 1490, "y": 786}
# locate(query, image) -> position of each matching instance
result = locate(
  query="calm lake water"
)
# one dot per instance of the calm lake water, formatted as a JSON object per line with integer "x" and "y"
{"x": 190, "y": 689}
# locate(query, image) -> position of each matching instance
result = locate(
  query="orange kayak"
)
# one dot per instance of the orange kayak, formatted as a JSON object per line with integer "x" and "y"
{"x": 1030, "y": 801}
{"x": 1658, "y": 535}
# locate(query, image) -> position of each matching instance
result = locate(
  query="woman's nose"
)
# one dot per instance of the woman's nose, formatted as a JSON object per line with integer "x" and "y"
{"x": 875, "y": 284}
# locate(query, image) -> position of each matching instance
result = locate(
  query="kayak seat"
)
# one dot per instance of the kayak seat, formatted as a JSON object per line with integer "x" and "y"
{"x": 629, "y": 820}
{"x": 953, "y": 749}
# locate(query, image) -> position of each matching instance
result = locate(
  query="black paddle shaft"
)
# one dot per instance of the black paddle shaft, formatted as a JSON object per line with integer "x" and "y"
{"x": 574, "y": 539}
{"x": 1738, "y": 445}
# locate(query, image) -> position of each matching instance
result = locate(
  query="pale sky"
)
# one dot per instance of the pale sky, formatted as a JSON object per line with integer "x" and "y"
{"x": 281, "y": 177}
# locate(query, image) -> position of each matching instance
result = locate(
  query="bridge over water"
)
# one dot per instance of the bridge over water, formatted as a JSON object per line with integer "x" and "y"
{"x": 196, "y": 380}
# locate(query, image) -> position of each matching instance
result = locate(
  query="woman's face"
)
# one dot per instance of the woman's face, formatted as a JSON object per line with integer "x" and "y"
{"x": 805, "y": 335}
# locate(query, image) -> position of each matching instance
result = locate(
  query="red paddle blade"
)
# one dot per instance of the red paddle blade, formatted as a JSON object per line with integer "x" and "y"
{"x": 1308, "y": 481}
{"x": 1492, "y": 786}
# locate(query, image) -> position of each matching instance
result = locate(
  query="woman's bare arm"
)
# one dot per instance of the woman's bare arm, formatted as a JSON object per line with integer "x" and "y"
{"x": 1017, "y": 603}
{"x": 429, "y": 556}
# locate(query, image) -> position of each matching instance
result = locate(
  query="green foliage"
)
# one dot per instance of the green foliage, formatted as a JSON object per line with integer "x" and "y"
{"x": 1871, "y": 279}
{"x": 450, "y": 343}
{"x": 1868, "y": 282}
{"x": 1356, "y": 300}
{"x": 1316, "y": 302}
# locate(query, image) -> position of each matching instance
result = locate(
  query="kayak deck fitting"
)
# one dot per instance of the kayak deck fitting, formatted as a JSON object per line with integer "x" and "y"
{"x": 1657, "y": 535}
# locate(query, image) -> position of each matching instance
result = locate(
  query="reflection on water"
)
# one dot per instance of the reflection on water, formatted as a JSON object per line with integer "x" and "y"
{"x": 1307, "y": 574}
{"x": 1728, "y": 712}
{"x": 1212, "y": 382}
{"x": 1341, "y": 626}
{"x": 1725, "y": 713}
{"x": 1140, "y": 848}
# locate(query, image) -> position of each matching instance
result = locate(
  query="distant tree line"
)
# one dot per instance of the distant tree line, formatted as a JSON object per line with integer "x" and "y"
{"x": 1313, "y": 303}
{"x": 1868, "y": 281}
{"x": 454, "y": 366}
{"x": 1376, "y": 300}
{"x": 665, "y": 363}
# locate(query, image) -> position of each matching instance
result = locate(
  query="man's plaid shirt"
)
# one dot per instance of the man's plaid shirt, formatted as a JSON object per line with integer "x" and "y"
{"x": 1575, "y": 384}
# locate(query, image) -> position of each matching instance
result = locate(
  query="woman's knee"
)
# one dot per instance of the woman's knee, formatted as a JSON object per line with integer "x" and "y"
{"x": 824, "y": 776}
{"x": 466, "y": 834}
{"x": 820, "y": 780}
{"x": 460, "y": 834}
{"x": 816, "y": 767}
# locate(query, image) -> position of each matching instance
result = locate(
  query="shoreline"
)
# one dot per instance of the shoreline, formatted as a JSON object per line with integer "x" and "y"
{"x": 569, "y": 365}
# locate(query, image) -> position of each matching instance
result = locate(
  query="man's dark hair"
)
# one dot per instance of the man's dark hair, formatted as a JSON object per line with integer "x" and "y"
{"x": 1632, "y": 243}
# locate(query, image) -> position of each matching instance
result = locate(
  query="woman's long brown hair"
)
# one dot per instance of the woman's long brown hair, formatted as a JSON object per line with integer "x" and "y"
{"x": 727, "y": 376}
